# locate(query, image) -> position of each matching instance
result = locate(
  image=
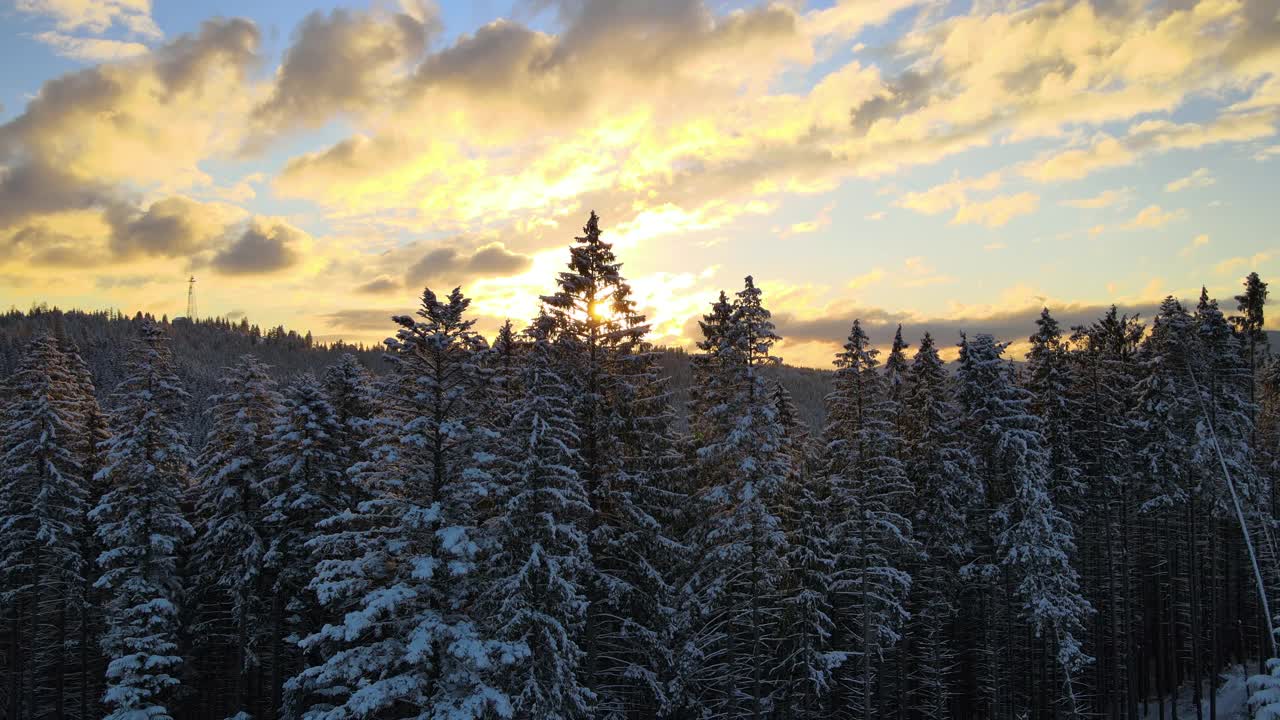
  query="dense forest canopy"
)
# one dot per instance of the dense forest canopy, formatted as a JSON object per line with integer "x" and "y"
{"x": 563, "y": 521}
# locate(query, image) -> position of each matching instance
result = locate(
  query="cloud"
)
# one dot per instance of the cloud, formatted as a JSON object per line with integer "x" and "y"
{"x": 151, "y": 119}
{"x": 1197, "y": 242}
{"x": 263, "y": 247}
{"x": 880, "y": 324}
{"x": 363, "y": 319}
{"x": 1102, "y": 152}
{"x": 173, "y": 227}
{"x": 997, "y": 211}
{"x": 95, "y": 16}
{"x": 946, "y": 196}
{"x": 344, "y": 61}
{"x": 1244, "y": 262}
{"x": 871, "y": 277}
{"x": 1104, "y": 199}
{"x": 1198, "y": 179}
{"x": 1153, "y": 216}
{"x": 454, "y": 266}
{"x": 380, "y": 285}
{"x": 28, "y": 190}
{"x": 823, "y": 220}
{"x": 90, "y": 49}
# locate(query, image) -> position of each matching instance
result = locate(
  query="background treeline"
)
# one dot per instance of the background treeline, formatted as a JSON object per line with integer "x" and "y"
{"x": 204, "y": 348}
{"x": 545, "y": 525}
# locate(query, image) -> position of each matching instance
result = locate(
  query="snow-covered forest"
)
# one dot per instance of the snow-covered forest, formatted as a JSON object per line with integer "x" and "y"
{"x": 537, "y": 525}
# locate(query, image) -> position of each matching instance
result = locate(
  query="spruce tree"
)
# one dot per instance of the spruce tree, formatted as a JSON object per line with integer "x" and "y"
{"x": 621, "y": 414}
{"x": 1104, "y": 366}
{"x": 1048, "y": 379}
{"x": 43, "y": 496}
{"x": 91, "y": 432}
{"x": 540, "y": 561}
{"x": 349, "y": 389}
{"x": 806, "y": 656}
{"x": 1031, "y": 540}
{"x": 940, "y": 470}
{"x": 305, "y": 484}
{"x": 873, "y": 538}
{"x": 231, "y": 540}
{"x": 743, "y": 467}
{"x": 140, "y": 528}
{"x": 399, "y": 570}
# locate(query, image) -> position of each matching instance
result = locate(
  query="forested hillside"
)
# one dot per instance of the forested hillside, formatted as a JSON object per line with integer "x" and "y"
{"x": 523, "y": 526}
{"x": 202, "y": 350}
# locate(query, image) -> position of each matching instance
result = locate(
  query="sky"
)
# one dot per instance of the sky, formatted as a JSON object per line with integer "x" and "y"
{"x": 944, "y": 165}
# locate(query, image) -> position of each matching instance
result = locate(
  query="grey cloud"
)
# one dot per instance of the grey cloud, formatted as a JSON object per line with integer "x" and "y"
{"x": 379, "y": 285}
{"x": 880, "y": 324}
{"x": 45, "y": 247}
{"x": 644, "y": 42}
{"x": 333, "y": 64}
{"x": 909, "y": 92}
{"x": 181, "y": 65}
{"x": 453, "y": 265}
{"x": 185, "y": 63}
{"x": 32, "y": 189}
{"x": 362, "y": 319}
{"x": 260, "y": 249}
{"x": 169, "y": 228}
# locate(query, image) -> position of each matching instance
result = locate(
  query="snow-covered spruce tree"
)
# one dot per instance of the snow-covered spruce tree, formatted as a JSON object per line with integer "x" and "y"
{"x": 896, "y": 368}
{"x": 85, "y": 681}
{"x": 305, "y": 483}
{"x": 806, "y": 657}
{"x": 536, "y": 601}
{"x": 872, "y": 538}
{"x": 621, "y": 416}
{"x": 140, "y": 527}
{"x": 1048, "y": 379}
{"x": 939, "y": 469}
{"x": 1167, "y": 414}
{"x": 1225, "y": 381}
{"x": 1104, "y": 369}
{"x": 1223, "y": 436}
{"x": 1251, "y": 306}
{"x": 227, "y": 557}
{"x": 399, "y": 570}
{"x": 1032, "y": 541}
{"x": 743, "y": 466}
{"x": 42, "y": 520}
{"x": 349, "y": 388}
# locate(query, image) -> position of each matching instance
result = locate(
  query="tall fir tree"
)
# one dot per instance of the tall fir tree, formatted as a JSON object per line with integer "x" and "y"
{"x": 536, "y": 599}
{"x": 743, "y": 465}
{"x": 874, "y": 539}
{"x": 43, "y": 497}
{"x": 1104, "y": 368}
{"x": 231, "y": 538}
{"x": 399, "y": 570}
{"x": 305, "y": 484}
{"x": 140, "y": 527}
{"x": 91, "y": 432}
{"x": 1048, "y": 379}
{"x": 940, "y": 471}
{"x": 807, "y": 658}
{"x": 1031, "y": 542}
{"x": 620, "y": 414}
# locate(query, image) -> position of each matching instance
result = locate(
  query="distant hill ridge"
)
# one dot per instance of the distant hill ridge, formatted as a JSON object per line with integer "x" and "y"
{"x": 202, "y": 348}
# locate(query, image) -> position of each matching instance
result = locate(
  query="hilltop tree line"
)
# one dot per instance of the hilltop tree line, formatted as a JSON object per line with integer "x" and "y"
{"x": 521, "y": 527}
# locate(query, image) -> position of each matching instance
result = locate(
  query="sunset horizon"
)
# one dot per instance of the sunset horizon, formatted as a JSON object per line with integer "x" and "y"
{"x": 935, "y": 165}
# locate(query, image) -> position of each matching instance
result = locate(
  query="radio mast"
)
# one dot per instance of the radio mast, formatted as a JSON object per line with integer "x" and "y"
{"x": 191, "y": 299}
